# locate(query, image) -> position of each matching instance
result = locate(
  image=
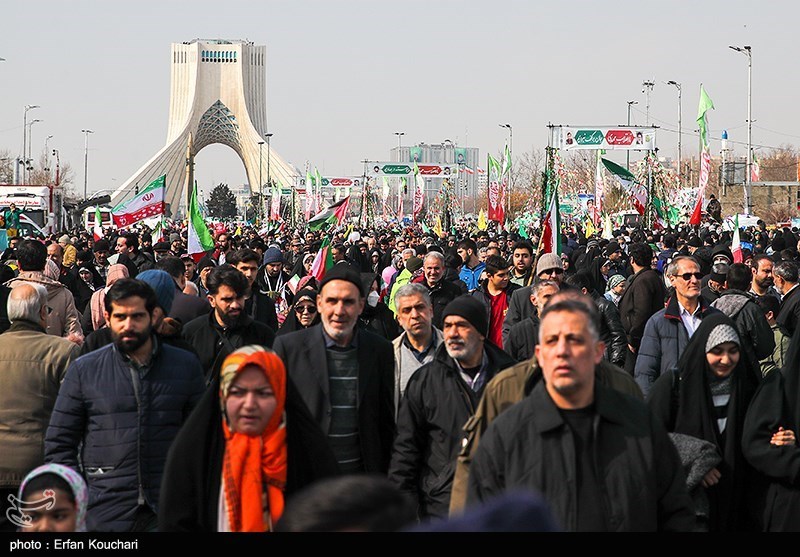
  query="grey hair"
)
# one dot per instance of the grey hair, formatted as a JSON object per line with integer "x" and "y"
{"x": 434, "y": 255}
{"x": 408, "y": 250}
{"x": 537, "y": 287}
{"x": 672, "y": 268}
{"x": 787, "y": 270}
{"x": 22, "y": 306}
{"x": 412, "y": 288}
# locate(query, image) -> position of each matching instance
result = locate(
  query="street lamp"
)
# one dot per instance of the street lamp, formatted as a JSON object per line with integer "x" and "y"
{"x": 268, "y": 136}
{"x": 747, "y": 52}
{"x": 47, "y": 157}
{"x": 25, "y": 137}
{"x": 86, "y": 162}
{"x": 628, "y": 153}
{"x": 647, "y": 88}
{"x": 678, "y": 85}
{"x": 260, "y": 182}
{"x": 510, "y": 147}
{"x": 399, "y": 140}
{"x": 28, "y": 159}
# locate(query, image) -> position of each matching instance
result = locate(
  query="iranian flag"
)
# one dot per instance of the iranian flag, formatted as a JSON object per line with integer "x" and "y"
{"x": 275, "y": 205}
{"x": 309, "y": 195}
{"x": 419, "y": 192}
{"x": 97, "y": 231}
{"x": 333, "y": 215}
{"x": 323, "y": 260}
{"x": 401, "y": 187}
{"x": 736, "y": 244}
{"x": 200, "y": 240}
{"x": 637, "y": 191}
{"x": 755, "y": 169}
{"x": 551, "y": 235}
{"x": 147, "y": 203}
{"x": 495, "y": 195}
{"x": 598, "y": 191}
{"x": 705, "y": 170}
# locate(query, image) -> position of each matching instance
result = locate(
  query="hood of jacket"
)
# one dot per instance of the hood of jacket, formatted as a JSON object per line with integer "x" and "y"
{"x": 731, "y": 302}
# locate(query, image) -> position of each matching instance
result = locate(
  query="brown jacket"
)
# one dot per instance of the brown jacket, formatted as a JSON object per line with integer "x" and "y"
{"x": 32, "y": 366}
{"x": 504, "y": 390}
{"x": 64, "y": 318}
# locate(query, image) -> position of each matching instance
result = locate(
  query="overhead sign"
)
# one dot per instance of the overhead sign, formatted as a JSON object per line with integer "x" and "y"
{"x": 626, "y": 138}
{"x": 334, "y": 182}
{"x": 402, "y": 169}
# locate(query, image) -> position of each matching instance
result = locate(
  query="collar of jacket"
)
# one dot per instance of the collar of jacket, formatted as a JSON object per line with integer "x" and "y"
{"x": 243, "y": 321}
{"x": 673, "y": 310}
{"x": 25, "y": 325}
{"x": 35, "y": 276}
{"x": 548, "y": 416}
{"x": 154, "y": 354}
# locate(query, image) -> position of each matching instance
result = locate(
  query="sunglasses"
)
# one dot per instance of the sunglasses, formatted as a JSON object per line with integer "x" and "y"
{"x": 551, "y": 271}
{"x": 688, "y": 276}
{"x": 306, "y": 309}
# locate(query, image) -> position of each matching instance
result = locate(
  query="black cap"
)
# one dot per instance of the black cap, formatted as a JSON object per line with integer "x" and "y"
{"x": 161, "y": 246}
{"x": 101, "y": 245}
{"x": 470, "y": 309}
{"x": 343, "y": 271}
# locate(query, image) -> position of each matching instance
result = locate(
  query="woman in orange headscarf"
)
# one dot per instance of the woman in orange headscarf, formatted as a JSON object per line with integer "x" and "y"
{"x": 249, "y": 442}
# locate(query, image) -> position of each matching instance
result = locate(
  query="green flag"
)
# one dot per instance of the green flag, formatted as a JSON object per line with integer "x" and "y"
{"x": 705, "y": 104}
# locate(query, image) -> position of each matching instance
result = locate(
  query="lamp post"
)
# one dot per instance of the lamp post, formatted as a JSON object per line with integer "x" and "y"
{"x": 628, "y": 153}
{"x": 399, "y": 140}
{"x": 25, "y": 138}
{"x": 28, "y": 159}
{"x": 269, "y": 184}
{"x": 746, "y": 50}
{"x": 260, "y": 183}
{"x": 47, "y": 157}
{"x": 510, "y": 147}
{"x": 86, "y": 162}
{"x": 678, "y": 85}
{"x": 647, "y": 88}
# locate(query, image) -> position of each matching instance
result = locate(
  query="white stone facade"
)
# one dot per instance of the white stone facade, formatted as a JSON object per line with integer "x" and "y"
{"x": 218, "y": 95}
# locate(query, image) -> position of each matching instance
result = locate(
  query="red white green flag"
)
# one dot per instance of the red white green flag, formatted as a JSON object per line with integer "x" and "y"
{"x": 551, "y": 235}
{"x": 419, "y": 192}
{"x": 323, "y": 260}
{"x": 332, "y": 216}
{"x": 97, "y": 231}
{"x": 736, "y": 244}
{"x": 147, "y": 203}
{"x": 637, "y": 191}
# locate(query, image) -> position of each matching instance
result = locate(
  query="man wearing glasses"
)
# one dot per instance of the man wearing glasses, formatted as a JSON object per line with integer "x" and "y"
{"x": 668, "y": 331}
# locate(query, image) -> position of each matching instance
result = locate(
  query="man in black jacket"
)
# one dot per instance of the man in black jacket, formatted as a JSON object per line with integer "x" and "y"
{"x": 438, "y": 400}
{"x": 259, "y": 305}
{"x": 617, "y": 468}
{"x": 441, "y": 290}
{"x": 119, "y": 409}
{"x": 785, "y": 275}
{"x": 227, "y": 327}
{"x": 345, "y": 375}
{"x": 184, "y": 307}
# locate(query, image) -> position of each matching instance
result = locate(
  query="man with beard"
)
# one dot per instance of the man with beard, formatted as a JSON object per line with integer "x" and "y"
{"x": 273, "y": 282}
{"x": 118, "y": 410}
{"x": 763, "y": 283}
{"x": 259, "y": 305}
{"x": 226, "y": 327}
{"x": 439, "y": 398}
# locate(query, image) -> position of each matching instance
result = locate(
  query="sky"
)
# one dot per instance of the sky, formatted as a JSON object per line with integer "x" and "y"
{"x": 344, "y": 76}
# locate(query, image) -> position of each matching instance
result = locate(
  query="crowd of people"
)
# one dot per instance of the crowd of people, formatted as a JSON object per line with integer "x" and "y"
{"x": 646, "y": 381}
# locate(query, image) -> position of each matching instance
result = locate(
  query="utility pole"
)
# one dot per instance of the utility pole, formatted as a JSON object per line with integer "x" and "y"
{"x": 678, "y": 85}
{"x": 628, "y": 153}
{"x": 269, "y": 184}
{"x": 86, "y": 162}
{"x": 25, "y": 140}
{"x": 647, "y": 88}
{"x": 259, "y": 209}
{"x": 746, "y": 50}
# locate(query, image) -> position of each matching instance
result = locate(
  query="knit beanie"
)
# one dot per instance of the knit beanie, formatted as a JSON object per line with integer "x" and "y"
{"x": 163, "y": 285}
{"x": 615, "y": 280}
{"x": 470, "y": 309}
{"x": 345, "y": 272}
{"x": 273, "y": 255}
{"x": 721, "y": 334}
{"x": 413, "y": 264}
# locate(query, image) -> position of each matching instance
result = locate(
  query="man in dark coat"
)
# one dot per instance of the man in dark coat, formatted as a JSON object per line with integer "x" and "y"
{"x": 259, "y": 305}
{"x": 441, "y": 290}
{"x": 119, "y": 409}
{"x": 226, "y": 327}
{"x": 785, "y": 275}
{"x": 643, "y": 297}
{"x": 524, "y": 336}
{"x": 184, "y": 307}
{"x": 623, "y": 472}
{"x": 345, "y": 375}
{"x": 438, "y": 400}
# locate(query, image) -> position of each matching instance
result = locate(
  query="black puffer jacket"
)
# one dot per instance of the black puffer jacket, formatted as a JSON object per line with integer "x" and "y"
{"x": 436, "y": 404}
{"x": 611, "y": 330}
{"x": 124, "y": 427}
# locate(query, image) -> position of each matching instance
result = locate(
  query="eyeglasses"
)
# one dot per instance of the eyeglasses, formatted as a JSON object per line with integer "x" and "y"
{"x": 688, "y": 276}
{"x": 551, "y": 271}
{"x": 306, "y": 309}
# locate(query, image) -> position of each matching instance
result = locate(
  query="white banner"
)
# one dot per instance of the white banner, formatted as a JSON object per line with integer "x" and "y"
{"x": 625, "y": 138}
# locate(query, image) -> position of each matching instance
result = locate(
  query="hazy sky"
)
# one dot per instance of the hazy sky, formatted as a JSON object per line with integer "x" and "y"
{"x": 344, "y": 76}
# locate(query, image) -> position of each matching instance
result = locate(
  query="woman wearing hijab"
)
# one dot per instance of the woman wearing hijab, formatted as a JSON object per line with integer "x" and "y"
{"x": 376, "y": 316}
{"x": 248, "y": 444}
{"x": 85, "y": 288}
{"x": 70, "y": 498}
{"x": 770, "y": 443}
{"x": 303, "y": 313}
{"x": 706, "y": 399}
{"x": 93, "y": 318}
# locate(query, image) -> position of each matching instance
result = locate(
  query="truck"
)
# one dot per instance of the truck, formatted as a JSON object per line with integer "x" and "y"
{"x": 42, "y": 208}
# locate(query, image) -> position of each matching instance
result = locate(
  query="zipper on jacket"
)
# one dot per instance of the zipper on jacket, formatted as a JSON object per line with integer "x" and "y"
{"x": 136, "y": 392}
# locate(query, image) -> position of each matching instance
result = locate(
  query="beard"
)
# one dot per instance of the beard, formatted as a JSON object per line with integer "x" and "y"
{"x": 131, "y": 341}
{"x": 228, "y": 317}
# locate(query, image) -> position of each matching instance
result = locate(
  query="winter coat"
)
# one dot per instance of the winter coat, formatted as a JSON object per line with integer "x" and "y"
{"x": 755, "y": 334}
{"x": 523, "y": 338}
{"x": 789, "y": 313}
{"x": 643, "y": 297}
{"x": 442, "y": 293}
{"x": 63, "y": 319}
{"x": 642, "y": 480}
{"x": 665, "y": 339}
{"x": 611, "y": 331}
{"x": 471, "y": 277}
{"x": 124, "y": 421}
{"x": 32, "y": 366}
{"x": 436, "y": 404}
